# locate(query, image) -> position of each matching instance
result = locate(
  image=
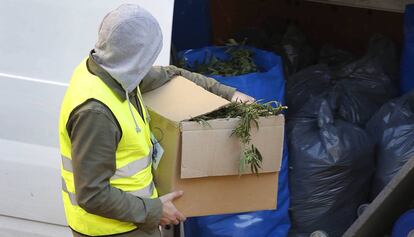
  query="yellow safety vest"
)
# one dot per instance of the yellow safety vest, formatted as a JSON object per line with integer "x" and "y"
{"x": 133, "y": 154}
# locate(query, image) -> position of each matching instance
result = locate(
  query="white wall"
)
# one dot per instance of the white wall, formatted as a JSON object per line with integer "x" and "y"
{"x": 41, "y": 42}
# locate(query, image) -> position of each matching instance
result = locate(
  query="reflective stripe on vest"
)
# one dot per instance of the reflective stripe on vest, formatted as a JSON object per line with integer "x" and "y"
{"x": 133, "y": 155}
{"x": 123, "y": 172}
{"x": 146, "y": 192}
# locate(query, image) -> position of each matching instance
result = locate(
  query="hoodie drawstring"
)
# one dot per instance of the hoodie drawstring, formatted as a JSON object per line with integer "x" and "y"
{"x": 137, "y": 129}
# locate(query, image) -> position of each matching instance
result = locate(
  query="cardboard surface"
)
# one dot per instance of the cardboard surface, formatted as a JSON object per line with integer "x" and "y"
{"x": 168, "y": 135}
{"x": 181, "y": 99}
{"x": 212, "y": 151}
{"x": 227, "y": 194}
{"x": 203, "y": 161}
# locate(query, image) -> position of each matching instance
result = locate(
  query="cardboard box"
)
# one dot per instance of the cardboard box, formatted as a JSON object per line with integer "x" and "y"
{"x": 203, "y": 161}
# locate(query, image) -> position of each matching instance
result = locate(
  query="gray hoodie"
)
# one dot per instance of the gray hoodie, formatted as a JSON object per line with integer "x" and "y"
{"x": 129, "y": 41}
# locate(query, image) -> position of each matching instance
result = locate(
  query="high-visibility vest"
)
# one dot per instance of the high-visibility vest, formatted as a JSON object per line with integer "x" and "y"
{"x": 133, "y": 155}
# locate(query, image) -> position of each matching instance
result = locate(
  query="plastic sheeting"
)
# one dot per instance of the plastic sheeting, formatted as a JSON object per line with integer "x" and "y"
{"x": 306, "y": 84}
{"x": 392, "y": 129}
{"x": 299, "y": 53}
{"x": 407, "y": 69}
{"x": 361, "y": 90}
{"x": 331, "y": 165}
{"x": 266, "y": 85}
{"x": 357, "y": 90}
{"x": 383, "y": 52}
{"x": 334, "y": 57}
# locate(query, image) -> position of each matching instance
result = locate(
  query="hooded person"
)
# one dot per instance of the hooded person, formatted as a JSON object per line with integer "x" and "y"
{"x": 105, "y": 139}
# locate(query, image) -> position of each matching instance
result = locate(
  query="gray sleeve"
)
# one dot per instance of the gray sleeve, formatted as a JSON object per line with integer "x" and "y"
{"x": 155, "y": 78}
{"x": 95, "y": 134}
{"x": 158, "y": 76}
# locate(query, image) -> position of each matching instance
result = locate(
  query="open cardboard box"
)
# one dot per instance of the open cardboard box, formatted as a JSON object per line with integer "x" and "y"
{"x": 203, "y": 161}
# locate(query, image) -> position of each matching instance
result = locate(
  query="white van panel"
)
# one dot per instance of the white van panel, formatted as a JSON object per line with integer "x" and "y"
{"x": 30, "y": 182}
{"x": 14, "y": 227}
{"x": 41, "y": 42}
{"x": 47, "y": 38}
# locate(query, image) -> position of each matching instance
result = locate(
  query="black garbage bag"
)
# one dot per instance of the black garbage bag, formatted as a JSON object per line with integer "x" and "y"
{"x": 357, "y": 90}
{"x": 310, "y": 82}
{"x": 384, "y": 53}
{"x": 392, "y": 129}
{"x": 331, "y": 165}
{"x": 361, "y": 89}
{"x": 298, "y": 51}
{"x": 335, "y": 58}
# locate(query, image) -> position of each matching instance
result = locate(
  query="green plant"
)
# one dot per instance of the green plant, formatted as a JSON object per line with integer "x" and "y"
{"x": 240, "y": 62}
{"x": 248, "y": 114}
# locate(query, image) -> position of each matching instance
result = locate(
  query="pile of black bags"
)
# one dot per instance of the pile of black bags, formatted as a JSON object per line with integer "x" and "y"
{"x": 335, "y": 164}
{"x": 332, "y": 156}
{"x": 358, "y": 88}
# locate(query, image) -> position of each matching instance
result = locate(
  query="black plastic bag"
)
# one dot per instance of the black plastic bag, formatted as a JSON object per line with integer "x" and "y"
{"x": 335, "y": 58}
{"x": 331, "y": 165}
{"x": 361, "y": 89}
{"x": 384, "y": 53}
{"x": 357, "y": 90}
{"x": 392, "y": 129}
{"x": 310, "y": 82}
{"x": 298, "y": 52}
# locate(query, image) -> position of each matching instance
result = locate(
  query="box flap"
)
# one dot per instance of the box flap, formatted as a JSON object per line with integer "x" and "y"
{"x": 181, "y": 99}
{"x": 212, "y": 151}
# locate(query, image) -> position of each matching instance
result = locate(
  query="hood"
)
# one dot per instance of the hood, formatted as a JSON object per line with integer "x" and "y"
{"x": 129, "y": 41}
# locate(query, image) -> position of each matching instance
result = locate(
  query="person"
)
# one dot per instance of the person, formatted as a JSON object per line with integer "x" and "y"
{"x": 105, "y": 140}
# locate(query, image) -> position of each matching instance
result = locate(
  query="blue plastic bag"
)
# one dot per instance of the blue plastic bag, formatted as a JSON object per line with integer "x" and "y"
{"x": 404, "y": 225}
{"x": 407, "y": 64}
{"x": 267, "y": 85}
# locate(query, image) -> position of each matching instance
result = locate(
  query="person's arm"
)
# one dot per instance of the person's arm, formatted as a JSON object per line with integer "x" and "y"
{"x": 158, "y": 76}
{"x": 95, "y": 135}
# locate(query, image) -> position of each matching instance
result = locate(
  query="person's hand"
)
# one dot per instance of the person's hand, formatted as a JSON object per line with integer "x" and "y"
{"x": 170, "y": 214}
{"x": 241, "y": 97}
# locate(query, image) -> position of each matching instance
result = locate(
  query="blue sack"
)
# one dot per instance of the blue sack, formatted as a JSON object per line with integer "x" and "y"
{"x": 407, "y": 68}
{"x": 404, "y": 226}
{"x": 267, "y": 85}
